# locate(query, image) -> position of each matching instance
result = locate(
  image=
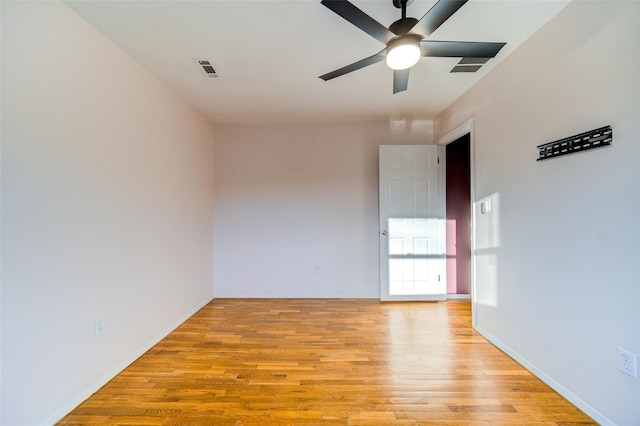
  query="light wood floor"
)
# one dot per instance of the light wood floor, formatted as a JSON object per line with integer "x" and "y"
{"x": 337, "y": 361}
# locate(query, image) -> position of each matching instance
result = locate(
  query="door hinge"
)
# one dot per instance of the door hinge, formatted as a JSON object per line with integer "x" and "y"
{"x": 438, "y": 277}
{"x": 438, "y": 160}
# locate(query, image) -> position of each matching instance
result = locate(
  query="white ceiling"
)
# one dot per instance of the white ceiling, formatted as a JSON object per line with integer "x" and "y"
{"x": 269, "y": 54}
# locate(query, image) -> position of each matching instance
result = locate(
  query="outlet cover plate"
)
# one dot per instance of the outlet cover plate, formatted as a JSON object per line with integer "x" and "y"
{"x": 98, "y": 327}
{"x": 627, "y": 363}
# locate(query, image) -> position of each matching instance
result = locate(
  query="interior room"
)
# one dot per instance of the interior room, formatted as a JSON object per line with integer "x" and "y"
{"x": 136, "y": 189}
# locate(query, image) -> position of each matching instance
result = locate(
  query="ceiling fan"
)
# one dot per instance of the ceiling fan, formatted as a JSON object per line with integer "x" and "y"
{"x": 405, "y": 39}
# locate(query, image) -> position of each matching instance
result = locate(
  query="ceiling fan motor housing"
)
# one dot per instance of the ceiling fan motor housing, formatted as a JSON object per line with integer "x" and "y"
{"x": 403, "y": 26}
{"x": 404, "y": 39}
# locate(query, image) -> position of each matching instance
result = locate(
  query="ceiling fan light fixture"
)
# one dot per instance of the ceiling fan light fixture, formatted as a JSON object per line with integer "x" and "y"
{"x": 403, "y": 53}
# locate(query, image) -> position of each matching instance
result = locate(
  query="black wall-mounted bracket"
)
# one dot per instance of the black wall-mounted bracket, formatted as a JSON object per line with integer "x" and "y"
{"x": 582, "y": 142}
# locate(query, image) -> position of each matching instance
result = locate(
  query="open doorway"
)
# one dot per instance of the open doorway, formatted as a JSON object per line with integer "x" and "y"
{"x": 458, "y": 206}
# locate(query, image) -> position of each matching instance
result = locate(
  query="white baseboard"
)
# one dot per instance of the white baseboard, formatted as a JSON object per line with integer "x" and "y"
{"x": 458, "y": 297}
{"x": 103, "y": 380}
{"x": 566, "y": 393}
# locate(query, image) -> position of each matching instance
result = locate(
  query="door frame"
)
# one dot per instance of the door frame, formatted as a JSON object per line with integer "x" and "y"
{"x": 453, "y": 135}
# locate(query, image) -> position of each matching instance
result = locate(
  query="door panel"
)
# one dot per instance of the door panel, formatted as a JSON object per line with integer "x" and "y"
{"x": 412, "y": 252}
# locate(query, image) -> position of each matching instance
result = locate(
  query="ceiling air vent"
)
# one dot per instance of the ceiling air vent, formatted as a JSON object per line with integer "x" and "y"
{"x": 465, "y": 68}
{"x": 206, "y": 67}
{"x": 469, "y": 65}
{"x": 473, "y": 61}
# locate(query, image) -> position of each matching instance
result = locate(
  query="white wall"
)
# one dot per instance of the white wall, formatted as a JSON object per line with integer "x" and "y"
{"x": 0, "y": 215}
{"x": 557, "y": 284}
{"x": 290, "y": 197}
{"x": 107, "y": 187}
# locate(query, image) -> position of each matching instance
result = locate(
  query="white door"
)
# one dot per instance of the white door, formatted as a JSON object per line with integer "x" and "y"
{"x": 412, "y": 224}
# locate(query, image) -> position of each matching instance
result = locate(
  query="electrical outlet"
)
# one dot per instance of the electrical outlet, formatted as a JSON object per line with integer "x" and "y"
{"x": 98, "y": 327}
{"x": 627, "y": 363}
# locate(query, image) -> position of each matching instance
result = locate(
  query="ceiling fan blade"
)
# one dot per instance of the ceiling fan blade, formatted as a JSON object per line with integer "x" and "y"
{"x": 400, "y": 80}
{"x": 436, "y": 16}
{"x": 355, "y": 66}
{"x": 360, "y": 19}
{"x": 454, "y": 49}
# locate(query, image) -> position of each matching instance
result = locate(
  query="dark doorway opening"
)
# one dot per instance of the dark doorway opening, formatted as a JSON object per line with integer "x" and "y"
{"x": 458, "y": 193}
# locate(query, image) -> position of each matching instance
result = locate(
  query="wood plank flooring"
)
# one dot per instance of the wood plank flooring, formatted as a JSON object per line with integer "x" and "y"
{"x": 326, "y": 361}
